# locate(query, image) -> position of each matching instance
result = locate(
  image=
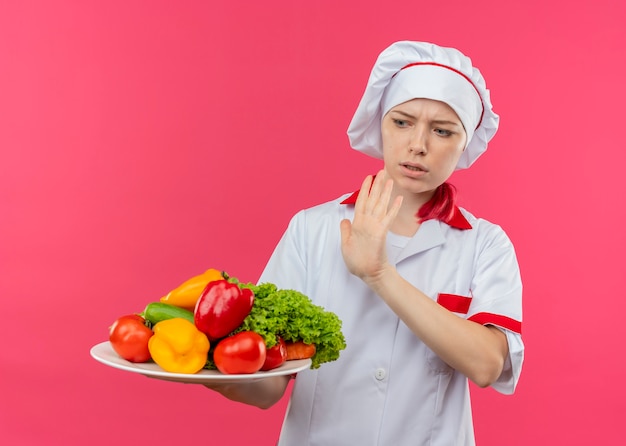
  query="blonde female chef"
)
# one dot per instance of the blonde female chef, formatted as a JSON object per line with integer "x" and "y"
{"x": 429, "y": 295}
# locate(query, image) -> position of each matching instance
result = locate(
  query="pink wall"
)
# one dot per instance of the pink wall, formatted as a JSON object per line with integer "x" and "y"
{"x": 142, "y": 142}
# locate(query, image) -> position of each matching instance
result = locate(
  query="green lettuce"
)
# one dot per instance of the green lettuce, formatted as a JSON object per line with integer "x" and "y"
{"x": 293, "y": 316}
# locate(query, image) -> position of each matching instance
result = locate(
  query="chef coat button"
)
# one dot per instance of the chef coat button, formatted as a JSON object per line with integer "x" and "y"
{"x": 380, "y": 374}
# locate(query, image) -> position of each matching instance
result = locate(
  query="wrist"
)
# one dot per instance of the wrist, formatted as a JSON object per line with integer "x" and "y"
{"x": 382, "y": 279}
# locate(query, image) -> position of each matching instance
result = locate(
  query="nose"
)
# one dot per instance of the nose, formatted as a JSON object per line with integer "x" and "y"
{"x": 419, "y": 141}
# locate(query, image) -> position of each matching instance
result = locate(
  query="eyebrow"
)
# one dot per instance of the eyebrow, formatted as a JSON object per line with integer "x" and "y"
{"x": 436, "y": 121}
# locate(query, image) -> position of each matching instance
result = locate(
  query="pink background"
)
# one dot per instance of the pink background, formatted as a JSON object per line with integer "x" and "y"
{"x": 143, "y": 142}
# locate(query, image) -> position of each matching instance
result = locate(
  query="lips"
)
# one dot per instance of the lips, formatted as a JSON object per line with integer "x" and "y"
{"x": 414, "y": 167}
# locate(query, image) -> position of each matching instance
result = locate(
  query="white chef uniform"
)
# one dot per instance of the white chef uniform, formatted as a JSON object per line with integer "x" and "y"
{"x": 387, "y": 388}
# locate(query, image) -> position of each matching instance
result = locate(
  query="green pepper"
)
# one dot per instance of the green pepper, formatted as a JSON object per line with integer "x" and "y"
{"x": 156, "y": 312}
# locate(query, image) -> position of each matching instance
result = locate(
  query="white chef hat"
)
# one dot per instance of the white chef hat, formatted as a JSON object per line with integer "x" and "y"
{"x": 408, "y": 70}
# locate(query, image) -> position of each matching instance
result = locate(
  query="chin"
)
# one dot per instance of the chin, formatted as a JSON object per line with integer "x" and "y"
{"x": 413, "y": 185}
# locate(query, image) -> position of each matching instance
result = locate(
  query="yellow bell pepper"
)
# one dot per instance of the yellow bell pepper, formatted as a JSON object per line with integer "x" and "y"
{"x": 177, "y": 346}
{"x": 187, "y": 294}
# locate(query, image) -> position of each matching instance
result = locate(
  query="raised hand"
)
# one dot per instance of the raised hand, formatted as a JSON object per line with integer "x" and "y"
{"x": 363, "y": 240}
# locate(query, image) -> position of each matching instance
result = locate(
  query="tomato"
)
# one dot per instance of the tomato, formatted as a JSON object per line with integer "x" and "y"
{"x": 129, "y": 337}
{"x": 276, "y": 356}
{"x": 241, "y": 353}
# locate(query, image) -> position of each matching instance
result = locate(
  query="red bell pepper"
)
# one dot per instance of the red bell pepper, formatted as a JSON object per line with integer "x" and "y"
{"x": 221, "y": 308}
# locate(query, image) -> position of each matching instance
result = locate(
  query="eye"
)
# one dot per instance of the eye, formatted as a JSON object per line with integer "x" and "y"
{"x": 443, "y": 132}
{"x": 400, "y": 123}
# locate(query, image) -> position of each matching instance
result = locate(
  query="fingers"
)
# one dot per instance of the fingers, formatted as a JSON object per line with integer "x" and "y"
{"x": 393, "y": 211}
{"x": 375, "y": 195}
{"x": 376, "y": 202}
{"x": 364, "y": 192}
{"x": 363, "y": 238}
{"x": 386, "y": 187}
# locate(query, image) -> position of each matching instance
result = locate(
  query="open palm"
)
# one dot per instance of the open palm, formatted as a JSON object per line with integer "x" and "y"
{"x": 363, "y": 239}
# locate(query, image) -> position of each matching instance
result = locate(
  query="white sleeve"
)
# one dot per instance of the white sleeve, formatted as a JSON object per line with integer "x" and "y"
{"x": 286, "y": 267}
{"x": 497, "y": 299}
{"x": 508, "y": 379}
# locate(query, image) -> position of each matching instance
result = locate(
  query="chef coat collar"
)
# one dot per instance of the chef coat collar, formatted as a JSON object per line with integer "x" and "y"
{"x": 456, "y": 220}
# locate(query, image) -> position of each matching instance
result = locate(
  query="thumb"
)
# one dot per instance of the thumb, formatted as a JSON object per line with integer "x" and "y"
{"x": 346, "y": 229}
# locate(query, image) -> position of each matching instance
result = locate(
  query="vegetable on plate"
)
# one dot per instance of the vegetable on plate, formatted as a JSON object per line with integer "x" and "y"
{"x": 129, "y": 338}
{"x": 187, "y": 294}
{"x": 292, "y": 316}
{"x": 299, "y": 350}
{"x": 222, "y": 307}
{"x": 242, "y": 353}
{"x": 156, "y": 312}
{"x": 178, "y": 346}
{"x": 275, "y": 356}
{"x": 235, "y": 327}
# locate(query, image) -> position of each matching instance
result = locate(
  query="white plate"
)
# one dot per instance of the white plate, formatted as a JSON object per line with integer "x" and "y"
{"x": 105, "y": 354}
